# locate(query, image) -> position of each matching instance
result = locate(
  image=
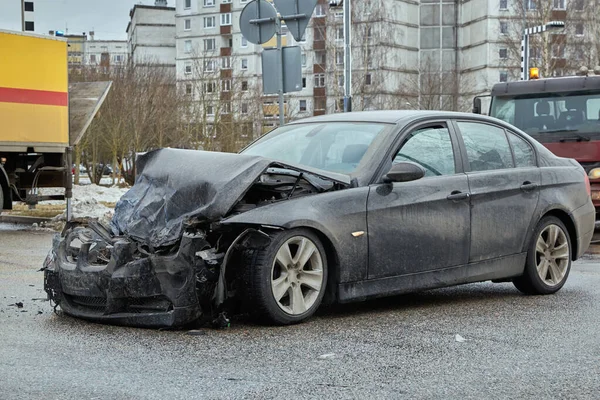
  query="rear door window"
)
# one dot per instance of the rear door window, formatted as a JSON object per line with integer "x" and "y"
{"x": 524, "y": 154}
{"x": 487, "y": 146}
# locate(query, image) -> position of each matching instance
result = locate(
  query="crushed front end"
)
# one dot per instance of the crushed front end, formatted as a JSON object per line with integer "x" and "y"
{"x": 114, "y": 280}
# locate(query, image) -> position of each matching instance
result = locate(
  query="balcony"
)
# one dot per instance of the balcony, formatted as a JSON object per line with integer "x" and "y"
{"x": 226, "y": 30}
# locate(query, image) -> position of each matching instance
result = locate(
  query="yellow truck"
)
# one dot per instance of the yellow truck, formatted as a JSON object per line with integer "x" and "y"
{"x": 41, "y": 116}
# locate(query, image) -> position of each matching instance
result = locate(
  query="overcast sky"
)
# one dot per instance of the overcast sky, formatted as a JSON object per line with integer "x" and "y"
{"x": 108, "y": 18}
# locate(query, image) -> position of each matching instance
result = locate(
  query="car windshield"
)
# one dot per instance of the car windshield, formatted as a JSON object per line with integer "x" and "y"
{"x": 331, "y": 146}
{"x": 559, "y": 114}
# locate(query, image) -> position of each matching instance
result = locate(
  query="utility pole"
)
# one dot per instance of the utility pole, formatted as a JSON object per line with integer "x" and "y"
{"x": 23, "y": 15}
{"x": 347, "y": 56}
{"x": 280, "y": 61}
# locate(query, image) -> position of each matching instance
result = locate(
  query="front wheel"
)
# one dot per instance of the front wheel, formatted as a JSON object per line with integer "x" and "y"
{"x": 548, "y": 259}
{"x": 286, "y": 281}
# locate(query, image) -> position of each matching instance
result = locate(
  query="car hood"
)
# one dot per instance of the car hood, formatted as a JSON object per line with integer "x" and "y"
{"x": 174, "y": 186}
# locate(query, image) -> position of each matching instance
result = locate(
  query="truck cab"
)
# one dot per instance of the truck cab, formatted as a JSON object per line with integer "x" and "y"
{"x": 561, "y": 113}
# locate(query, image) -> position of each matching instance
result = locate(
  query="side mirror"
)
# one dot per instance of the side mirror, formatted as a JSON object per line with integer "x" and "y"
{"x": 477, "y": 105}
{"x": 404, "y": 172}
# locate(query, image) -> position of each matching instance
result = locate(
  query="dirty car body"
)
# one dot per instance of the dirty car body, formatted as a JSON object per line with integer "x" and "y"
{"x": 386, "y": 202}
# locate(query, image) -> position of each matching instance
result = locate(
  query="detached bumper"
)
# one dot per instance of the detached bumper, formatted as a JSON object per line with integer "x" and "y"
{"x": 143, "y": 291}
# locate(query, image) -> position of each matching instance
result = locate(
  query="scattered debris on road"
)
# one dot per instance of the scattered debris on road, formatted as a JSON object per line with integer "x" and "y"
{"x": 459, "y": 338}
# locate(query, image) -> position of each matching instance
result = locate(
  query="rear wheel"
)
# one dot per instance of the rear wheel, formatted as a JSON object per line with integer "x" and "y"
{"x": 286, "y": 281}
{"x": 548, "y": 259}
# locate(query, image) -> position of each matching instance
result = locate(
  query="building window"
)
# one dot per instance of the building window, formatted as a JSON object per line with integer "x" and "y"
{"x": 226, "y": 85}
{"x": 503, "y": 76}
{"x": 339, "y": 33}
{"x": 187, "y": 24}
{"x": 340, "y": 80}
{"x": 339, "y": 57}
{"x": 319, "y": 80}
{"x": 118, "y": 58}
{"x": 209, "y": 22}
{"x": 28, "y": 6}
{"x": 187, "y": 45}
{"x": 530, "y": 4}
{"x": 579, "y": 29}
{"x": 226, "y": 19}
{"x": 187, "y": 4}
{"x": 302, "y": 105}
{"x": 226, "y": 63}
{"x": 188, "y": 89}
{"x": 503, "y": 4}
{"x": 303, "y": 82}
{"x": 503, "y": 27}
{"x": 503, "y": 54}
{"x": 558, "y": 51}
{"x": 225, "y": 1}
{"x": 559, "y": 4}
{"x": 535, "y": 53}
{"x": 244, "y": 108}
{"x": 369, "y": 32}
{"x": 209, "y": 65}
{"x": 188, "y": 68}
{"x": 244, "y": 42}
{"x": 368, "y": 79}
{"x": 210, "y": 110}
{"x": 226, "y": 108}
{"x": 320, "y": 57}
{"x": 210, "y": 44}
{"x": 319, "y": 10}
{"x": 29, "y": 26}
{"x": 93, "y": 59}
{"x": 244, "y": 63}
{"x": 209, "y": 3}
{"x": 304, "y": 59}
{"x": 244, "y": 86}
{"x": 209, "y": 87}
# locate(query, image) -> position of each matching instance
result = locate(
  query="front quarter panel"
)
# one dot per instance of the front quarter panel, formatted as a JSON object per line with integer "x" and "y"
{"x": 335, "y": 214}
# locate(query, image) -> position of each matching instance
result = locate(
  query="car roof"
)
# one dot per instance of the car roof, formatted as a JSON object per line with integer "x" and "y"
{"x": 392, "y": 116}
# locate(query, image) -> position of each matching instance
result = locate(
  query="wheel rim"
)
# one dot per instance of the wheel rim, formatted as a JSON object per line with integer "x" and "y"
{"x": 552, "y": 254}
{"x": 297, "y": 275}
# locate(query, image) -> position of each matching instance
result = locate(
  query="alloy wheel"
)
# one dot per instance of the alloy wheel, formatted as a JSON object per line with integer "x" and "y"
{"x": 552, "y": 255}
{"x": 297, "y": 275}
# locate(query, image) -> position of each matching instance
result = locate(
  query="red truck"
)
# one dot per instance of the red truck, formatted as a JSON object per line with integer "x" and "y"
{"x": 563, "y": 113}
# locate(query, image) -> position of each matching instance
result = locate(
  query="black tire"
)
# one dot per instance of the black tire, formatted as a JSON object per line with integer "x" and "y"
{"x": 531, "y": 282}
{"x": 259, "y": 269}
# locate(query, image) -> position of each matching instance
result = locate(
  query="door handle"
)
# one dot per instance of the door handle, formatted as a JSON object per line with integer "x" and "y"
{"x": 457, "y": 195}
{"x": 528, "y": 186}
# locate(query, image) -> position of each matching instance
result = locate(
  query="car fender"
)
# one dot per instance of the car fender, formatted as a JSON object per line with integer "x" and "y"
{"x": 339, "y": 215}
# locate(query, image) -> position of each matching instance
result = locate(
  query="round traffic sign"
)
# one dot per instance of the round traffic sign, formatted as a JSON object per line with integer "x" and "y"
{"x": 258, "y": 21}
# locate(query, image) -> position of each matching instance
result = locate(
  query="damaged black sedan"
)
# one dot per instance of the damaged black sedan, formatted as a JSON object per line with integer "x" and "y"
{"x": 336, "y": 208}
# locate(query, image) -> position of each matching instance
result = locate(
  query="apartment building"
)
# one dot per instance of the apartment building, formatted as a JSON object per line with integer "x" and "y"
{"x": 151, "y": 35}
{"x": 106, "y": 53}
{"x": 434, "y": 54}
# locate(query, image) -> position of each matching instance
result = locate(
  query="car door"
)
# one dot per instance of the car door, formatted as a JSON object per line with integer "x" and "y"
{"x": 421, "y": 225}
{"x": 503, "y": 195}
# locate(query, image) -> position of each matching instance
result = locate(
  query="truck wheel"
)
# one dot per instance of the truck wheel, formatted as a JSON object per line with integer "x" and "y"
{"x": 286, "y": 281}
{"x": 548, "y": 259}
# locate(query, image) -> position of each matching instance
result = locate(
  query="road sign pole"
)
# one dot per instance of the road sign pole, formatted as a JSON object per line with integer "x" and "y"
{"x": 347, "y": 57}
{"x": 280, "y": 68}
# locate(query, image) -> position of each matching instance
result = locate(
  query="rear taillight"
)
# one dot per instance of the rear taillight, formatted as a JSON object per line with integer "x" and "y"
{"x": 587, "y": 185}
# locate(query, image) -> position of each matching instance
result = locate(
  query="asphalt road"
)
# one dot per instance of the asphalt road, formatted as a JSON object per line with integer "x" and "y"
{"x": 516, "y": 346}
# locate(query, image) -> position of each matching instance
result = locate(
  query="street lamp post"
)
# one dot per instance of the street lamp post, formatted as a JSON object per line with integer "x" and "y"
{"x": 552, "y": 25}
{"x": 347, "y": 12}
